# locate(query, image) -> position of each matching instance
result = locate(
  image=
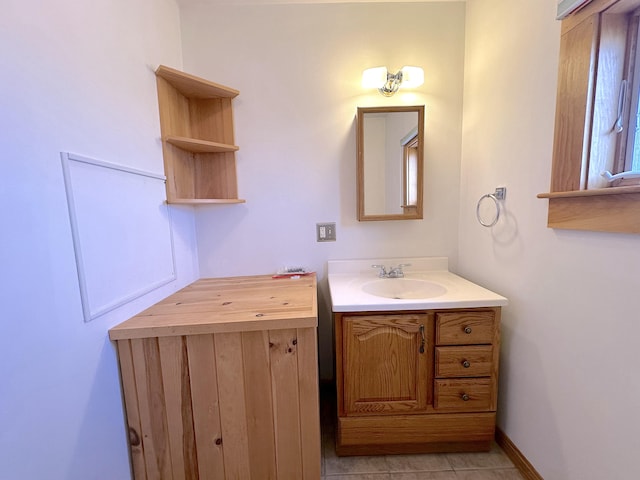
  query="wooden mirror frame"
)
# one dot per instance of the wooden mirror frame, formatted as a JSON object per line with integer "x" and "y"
{"x": 410, "y": 212}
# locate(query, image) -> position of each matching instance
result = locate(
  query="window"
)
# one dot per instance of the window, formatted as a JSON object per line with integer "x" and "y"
{"x": 410, "y": 171}
{"x": 632, "y": 119}
{"x": 597, "y": 120}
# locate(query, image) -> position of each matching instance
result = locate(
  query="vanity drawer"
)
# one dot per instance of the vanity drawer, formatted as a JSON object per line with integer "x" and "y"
{"x": 463, "y": 328}
{"x": 467, "y": 361}
{"x": 462, "y": 394}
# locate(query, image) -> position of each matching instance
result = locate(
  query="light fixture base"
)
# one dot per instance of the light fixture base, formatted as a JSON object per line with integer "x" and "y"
{"x": 389, "y": 83}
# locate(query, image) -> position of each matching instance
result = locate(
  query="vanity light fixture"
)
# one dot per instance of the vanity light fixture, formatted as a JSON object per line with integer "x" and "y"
{"x": 388, "y": 83}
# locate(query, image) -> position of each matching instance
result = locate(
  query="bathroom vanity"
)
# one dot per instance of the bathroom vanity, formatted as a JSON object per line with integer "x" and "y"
{"x": 416, "y": 358}
{"x": 220, "y": 380}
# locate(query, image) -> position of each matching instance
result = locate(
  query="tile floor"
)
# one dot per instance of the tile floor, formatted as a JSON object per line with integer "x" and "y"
{"x": 492, "y": 465}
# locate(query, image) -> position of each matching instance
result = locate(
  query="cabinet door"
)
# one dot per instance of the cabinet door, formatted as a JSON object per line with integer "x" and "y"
{"x": 385, "y": 362}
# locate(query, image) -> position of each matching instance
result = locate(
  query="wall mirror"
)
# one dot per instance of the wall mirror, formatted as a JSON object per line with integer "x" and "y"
{"x": 390, "y": 144}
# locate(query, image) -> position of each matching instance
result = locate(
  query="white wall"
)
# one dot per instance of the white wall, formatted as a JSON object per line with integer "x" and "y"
{"x": 569, "y": 390}
{"x": 298, "y": 69}
{"x": 77, "y": 77}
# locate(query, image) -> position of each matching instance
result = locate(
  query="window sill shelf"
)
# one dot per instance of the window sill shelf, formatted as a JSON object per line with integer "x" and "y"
{"x": 614, "y": 209}
{"x": 592, "y": 193}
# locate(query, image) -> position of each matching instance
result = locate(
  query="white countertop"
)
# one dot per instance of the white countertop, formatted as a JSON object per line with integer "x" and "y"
{"x": 347, "y": 277}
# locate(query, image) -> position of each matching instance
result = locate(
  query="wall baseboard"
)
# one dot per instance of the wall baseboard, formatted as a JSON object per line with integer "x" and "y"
{"x": 516, "y": 456}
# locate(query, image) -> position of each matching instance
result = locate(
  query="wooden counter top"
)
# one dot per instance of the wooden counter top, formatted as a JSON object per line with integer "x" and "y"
{"x": 235, "y": 304}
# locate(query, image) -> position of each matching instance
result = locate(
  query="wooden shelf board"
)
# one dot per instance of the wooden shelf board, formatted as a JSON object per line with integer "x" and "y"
{"x": 194, "y": 87}
{"x": 200, "y": 146}
{"x": 205, "y": 201}
{"x": 593, "y": 192}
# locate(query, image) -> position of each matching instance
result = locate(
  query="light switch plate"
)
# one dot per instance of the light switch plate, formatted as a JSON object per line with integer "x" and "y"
{"x": 325, "y": 232}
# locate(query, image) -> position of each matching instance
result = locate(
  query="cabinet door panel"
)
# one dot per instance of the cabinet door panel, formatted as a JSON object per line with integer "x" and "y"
{"x": 385, "y": 371}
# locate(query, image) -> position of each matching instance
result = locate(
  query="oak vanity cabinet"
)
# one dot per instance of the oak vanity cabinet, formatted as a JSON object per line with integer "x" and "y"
{"x": 410, "y": 382}
{"x": 220, "y": 381}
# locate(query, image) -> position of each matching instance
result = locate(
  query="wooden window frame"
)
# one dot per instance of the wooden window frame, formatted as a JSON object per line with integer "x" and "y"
{"x": 409, "y": 154}
{"x": 583, "y": 81}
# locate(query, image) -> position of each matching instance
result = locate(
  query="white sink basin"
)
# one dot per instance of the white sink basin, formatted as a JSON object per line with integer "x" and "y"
{"x": 427, "y": 284}
{"x": 404, "y": 288}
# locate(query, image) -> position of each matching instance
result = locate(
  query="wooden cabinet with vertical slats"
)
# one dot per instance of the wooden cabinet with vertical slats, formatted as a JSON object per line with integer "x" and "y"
{"x": 220, "y": 381}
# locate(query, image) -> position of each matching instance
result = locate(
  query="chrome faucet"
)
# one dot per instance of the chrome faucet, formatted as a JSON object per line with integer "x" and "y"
{"x": 394, "y": 272}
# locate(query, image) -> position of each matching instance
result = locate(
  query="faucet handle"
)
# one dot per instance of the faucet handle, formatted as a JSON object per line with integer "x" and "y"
{"x": 383, "y": 270}
{"x": 400, "y": 265}
{"x": 396, "y": 272}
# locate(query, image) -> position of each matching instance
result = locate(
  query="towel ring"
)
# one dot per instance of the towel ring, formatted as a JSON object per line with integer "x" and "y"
{"x": 497, "y": 195}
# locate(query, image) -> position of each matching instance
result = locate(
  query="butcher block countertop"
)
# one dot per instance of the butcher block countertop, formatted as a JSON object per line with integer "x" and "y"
{"x": 234, "y": 304}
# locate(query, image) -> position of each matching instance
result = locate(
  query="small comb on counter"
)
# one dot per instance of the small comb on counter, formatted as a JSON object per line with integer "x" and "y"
{"x": 291, "y": 272}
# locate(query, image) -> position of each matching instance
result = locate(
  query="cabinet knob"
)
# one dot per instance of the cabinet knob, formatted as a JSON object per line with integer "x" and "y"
{"x": 466, "y": 364}
{"x": 467, "y": 330}
{"x": 465, "y": 397}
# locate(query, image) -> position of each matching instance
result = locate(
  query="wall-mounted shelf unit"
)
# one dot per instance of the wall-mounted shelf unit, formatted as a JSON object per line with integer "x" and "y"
{"x": 196, "y": 121}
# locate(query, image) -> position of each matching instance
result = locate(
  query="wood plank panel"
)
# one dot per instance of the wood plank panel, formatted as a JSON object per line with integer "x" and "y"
{"x": 174, "y": 120}
{"x": 174, "y": 110}
{"x": 606, "y": 213}
{"x": 286, "y": 401}
{"x": 193, "y": 86}
{"x": 338, "y": 326}
{"x": 259, "y": 403}
{"x": 495, "y": 366}
{"x": 182, "y": 181}
{"x": 309, "y": 402}
{"x": 153, "y": 423}
{"x": 414, "y": 429}
{"x": 177, "y": 395}
{"x": 574, "y": 105}
{"x": 127, "y": 375}
{"x": 227, "y": 305}
{"x": 212, "y": 119}
{"x": 215, "y": 174}
{"x": 232, "y": 400}
{"x": 206, "y": 413}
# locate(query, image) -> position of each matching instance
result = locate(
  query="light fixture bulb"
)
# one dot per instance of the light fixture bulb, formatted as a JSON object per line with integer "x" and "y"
{"x": 374, "y": 77}
{"x": 412, "y": 77}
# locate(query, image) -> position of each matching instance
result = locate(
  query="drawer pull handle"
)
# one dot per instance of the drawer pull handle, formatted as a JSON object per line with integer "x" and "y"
{"x": 467, "y": 330}
{"x": 422, "y": 340}
{"x": 466, "y": 364}
{"x": 465, "y": 397}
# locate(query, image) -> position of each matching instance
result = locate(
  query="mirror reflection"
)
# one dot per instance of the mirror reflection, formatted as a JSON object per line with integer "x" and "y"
{"x": 389, "y": 162}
